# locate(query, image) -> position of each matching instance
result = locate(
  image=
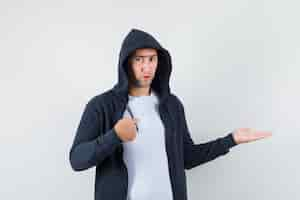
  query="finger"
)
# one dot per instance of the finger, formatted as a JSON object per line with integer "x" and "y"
{"x": 136, "y": 121}
{"x": 127, "y": 117}
{"x": 263, "y": 133}
{"x": 258, "y": 136}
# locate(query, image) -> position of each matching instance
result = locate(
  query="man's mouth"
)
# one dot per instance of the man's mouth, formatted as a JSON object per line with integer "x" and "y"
{"x": 147, "y": 77}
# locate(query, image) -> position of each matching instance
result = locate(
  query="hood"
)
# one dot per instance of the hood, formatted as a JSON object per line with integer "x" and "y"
{"x": 136, "y": 39}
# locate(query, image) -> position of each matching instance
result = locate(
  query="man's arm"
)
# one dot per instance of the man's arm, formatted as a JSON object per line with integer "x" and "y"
{"x": 90, "y": 146}
{"x": 196, "y": 154}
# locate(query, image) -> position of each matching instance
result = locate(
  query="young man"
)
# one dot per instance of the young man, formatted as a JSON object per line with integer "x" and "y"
{"x": 136, "y": 132}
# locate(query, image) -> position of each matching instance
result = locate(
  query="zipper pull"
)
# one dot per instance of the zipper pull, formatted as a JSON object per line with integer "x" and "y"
{"x": 132, "y": 116}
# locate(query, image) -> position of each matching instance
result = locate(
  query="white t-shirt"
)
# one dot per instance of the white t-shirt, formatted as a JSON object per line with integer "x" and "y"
{"x": 145, "y": 156}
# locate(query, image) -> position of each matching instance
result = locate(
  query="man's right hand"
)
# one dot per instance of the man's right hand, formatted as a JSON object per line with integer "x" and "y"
{"x": 126, "y": 128}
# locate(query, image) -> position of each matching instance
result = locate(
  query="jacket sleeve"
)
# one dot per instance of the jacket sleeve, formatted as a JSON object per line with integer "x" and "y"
{"x": 196, "y": 154}
{"x": 90, "y": 147}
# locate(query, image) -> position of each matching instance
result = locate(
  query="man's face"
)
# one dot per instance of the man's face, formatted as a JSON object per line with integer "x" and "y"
{"x": 142, "y": 67}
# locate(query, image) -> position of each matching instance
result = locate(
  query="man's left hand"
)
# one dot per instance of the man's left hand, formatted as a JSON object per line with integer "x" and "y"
{"x": 244, "y": 135}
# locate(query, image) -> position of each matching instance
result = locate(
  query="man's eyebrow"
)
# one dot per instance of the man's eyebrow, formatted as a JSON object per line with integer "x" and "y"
{"x": 146, "y": 56}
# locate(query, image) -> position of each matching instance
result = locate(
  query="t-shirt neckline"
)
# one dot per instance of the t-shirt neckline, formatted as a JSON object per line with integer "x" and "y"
{"x": 142, "y": 96}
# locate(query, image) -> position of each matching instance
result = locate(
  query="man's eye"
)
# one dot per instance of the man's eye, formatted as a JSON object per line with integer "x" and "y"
{"x": 152, "y": 58}
{"x": 137, "y": 59}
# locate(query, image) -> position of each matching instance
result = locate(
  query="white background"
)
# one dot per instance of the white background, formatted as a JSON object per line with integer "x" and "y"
{"x": 235, "y": 64}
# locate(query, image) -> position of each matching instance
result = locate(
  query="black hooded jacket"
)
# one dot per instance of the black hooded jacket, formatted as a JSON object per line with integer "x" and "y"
{"x": 97, "y": 144}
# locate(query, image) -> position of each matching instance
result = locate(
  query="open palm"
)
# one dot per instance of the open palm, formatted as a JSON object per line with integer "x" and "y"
{"x": 243, "y": 135}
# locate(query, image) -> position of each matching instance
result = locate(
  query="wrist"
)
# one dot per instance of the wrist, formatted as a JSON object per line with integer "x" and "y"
{"x": 234, "y": 138}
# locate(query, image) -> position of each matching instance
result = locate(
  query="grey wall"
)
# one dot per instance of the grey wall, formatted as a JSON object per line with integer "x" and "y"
{"x": 235, "y": 64}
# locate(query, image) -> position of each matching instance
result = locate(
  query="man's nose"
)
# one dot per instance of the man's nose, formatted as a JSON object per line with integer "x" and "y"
{"x": 146, "y": 66}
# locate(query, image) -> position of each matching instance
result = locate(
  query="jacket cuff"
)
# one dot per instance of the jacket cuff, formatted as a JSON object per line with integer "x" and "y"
{"x": 115, "y": 136}
{"x": 110, "y": 138}
{"x": 229, "y": 141}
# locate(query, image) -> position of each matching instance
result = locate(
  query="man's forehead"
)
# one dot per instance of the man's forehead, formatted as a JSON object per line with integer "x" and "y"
{"x": 145, "y": 52}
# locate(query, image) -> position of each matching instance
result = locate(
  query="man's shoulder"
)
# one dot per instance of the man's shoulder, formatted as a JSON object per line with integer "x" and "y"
{"x": 101, "y": 98}
{"x": 175, "y": 99}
